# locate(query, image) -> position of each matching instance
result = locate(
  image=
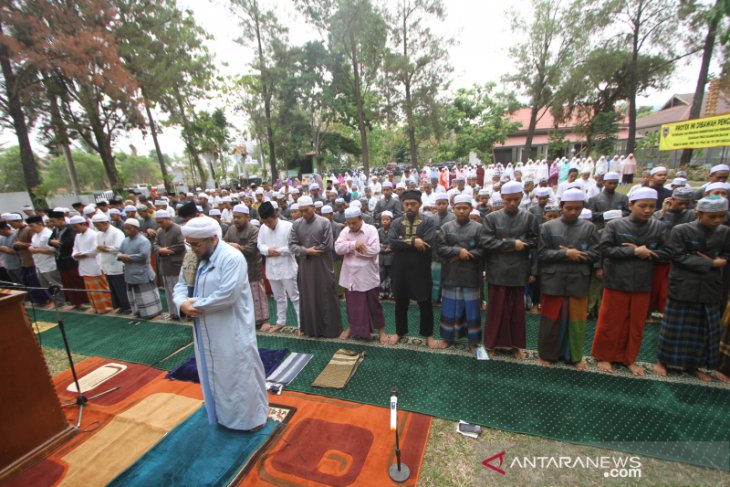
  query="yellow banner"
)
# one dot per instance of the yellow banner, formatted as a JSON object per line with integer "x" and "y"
{"x": 696, "y": 134}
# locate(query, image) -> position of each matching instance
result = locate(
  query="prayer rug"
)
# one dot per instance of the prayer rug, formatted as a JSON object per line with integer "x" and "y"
{"x": 290, "y": 368}
{"x": 340, "y": 369}
{"x": 197, "y": 453}
{"x": 189, "y": 370}
{"x": 339, "y": 443}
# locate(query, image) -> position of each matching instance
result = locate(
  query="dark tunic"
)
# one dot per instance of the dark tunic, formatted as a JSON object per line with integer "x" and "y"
{"x": 504, "y": 266}
{"x": 172, "y": 238}
{"x": 411, "y": 272}
{"x": 392, "y": 204}
{"x": 453, "y": 237}
{"x": 319, "y": 308}
{"x": 603, "y": 202}
{"x": 247, "y": 238}
{"x": 558, "y": 275}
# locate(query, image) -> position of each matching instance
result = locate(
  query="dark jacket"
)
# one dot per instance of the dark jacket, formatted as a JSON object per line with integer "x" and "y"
{"x": 505, "y": 267}
{"x": 623, "y": 270}
{"x": 603, "y": 202}
{"x": 558, "y": 275}
{"x": 692, "y": 278}
{"x": 453, "y": 237}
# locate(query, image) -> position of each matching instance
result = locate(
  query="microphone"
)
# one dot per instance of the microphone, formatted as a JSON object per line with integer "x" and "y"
{"x": 393, "y": 408}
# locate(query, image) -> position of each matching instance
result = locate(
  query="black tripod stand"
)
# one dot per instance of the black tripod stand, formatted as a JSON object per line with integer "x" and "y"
{"x": 81, "y": 399}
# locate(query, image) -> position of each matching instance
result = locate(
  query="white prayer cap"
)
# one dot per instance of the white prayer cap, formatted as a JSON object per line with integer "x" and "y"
{"x": 305, "y": 201}
{"x": 198, "y": 189}
{"x": 142, "y": 208}
{"x": 463, "y": 199}
{"x": 496, "y": 197}
{"x": 657, "y": 170}
{"x": 132, "y": 221}
{"x": 511, "y": 187}
{"x": 314, "y": 186}
{"x": 717, "y": 185}
{"x": 130, "y": 209}
{"x": 274, "y": 204}
{"x": 442, "y": 196}
{"x": 89, "y": 210}
{"x": 294, "y": 207}
{"x": 241, "y": 209}
{"x": 542, "y": 192}
{"x": 643, "y": 194}
{"x": 586, "y": 214}
{"x": 326, "y": 210}
{"x": 611, "y": 176}
{"x": 484, "y": 192}
{"x": 294, "y": 191}
{"x": 159, "y": 214}
{"x": 573, "y": 194}
{"x": 475, "y": 213}
{"x": 27, "y": 207}
{"x": 11, "y": 217}
{"x": 612, "y": 215}
{"x": 189, "y": 194}
{"x": 353, "y": 212}
{"x": 114, "y": 211}
{"x": 585, "y": 170}
{"x": 61, "y": 209}
{"x": 99, "y": 217}
{"x": 226, "y": 199}
{"x": 340, "y": 201}
{"x": 77, "y": 219}
{"x": 259, "y": 191}
{"x": 160, "y": 203}
{"x": 387, "y": 213}
{"x": 355, "y": 204}
{"x": 202, "y": 195}
{"x": 256, "y": 223}
{"x": 201, "y": 227}
{"x": 679, "y": 182}
{"x": 214, "y": 212}
{"x": 719, "y": 167}
{"x": 387, "y": 184}
{"x": 318, "y": 204}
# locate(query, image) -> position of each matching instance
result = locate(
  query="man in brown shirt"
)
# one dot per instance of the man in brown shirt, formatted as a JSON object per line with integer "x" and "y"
{"x": 244, "y": 237}
{"x": 27, "y": 266}
{"x": 169, "y": 245}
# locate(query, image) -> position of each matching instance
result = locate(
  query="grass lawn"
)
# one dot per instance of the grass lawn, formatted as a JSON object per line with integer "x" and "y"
{"x": 454, "y": 460}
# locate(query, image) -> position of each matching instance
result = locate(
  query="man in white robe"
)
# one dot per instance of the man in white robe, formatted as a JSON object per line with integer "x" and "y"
{"x": 224, "y": 331}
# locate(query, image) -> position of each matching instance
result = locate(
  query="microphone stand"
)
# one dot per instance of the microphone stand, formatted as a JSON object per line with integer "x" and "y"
{"x": 399, "y": 472}
{"x": 81, "y": 399}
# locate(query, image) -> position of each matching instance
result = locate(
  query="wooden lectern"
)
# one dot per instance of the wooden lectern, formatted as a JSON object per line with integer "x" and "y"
{"x": 31, "y": 419}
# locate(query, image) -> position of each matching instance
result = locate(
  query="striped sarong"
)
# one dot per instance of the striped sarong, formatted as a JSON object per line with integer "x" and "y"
{"x": 260, "y": 302}
{"x": 461, "y": 314}
{"x": 100, "y": 301}
{"x": 690, "y": 335}
{"x": 562, "y": 328}
{"x": 290, "y": 368}
{"x": 144, "y": 300}
{"x": 435, "y": 281}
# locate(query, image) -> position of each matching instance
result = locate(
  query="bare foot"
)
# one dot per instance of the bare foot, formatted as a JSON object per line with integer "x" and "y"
{"x": 637, "y": 370}
{"x": 265, "y": 327}
{"x": 299, "y": 333}
{"x": 473, "y": 348}
{"x": 394, "y": 339}
{"x": 275, "y": 328}
{"x": 345, "y": 334}
{"x": 534, "y": 311}
{"x": 383, "y": 338}
{"x": 700, "y": 375}
{"x": 435, "y": 344}
{"x": 543, "y": 363}
{"x": 582, "y": 365}
{"x": 659, "y": 369}
{"x": 721, "y": 377}
{"x": 519, "y": 354}
{"x": 605, "y": 367}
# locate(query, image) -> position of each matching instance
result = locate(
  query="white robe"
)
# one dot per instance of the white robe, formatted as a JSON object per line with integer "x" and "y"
{"x": 230, "y": 369}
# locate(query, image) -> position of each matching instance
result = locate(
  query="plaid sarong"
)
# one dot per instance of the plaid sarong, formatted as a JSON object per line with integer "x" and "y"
{"x": 260, "y": 302}
{"x": 144, "y": 299}
{"x": 100, "y": 301}
{"x": 690, "y": 335}
{"x": 461, "y": 314}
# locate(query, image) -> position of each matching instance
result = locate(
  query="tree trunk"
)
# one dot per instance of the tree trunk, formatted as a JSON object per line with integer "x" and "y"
{"x": 696, "y": 108}
{"x": 59, "y": 128}
{"x": 359, "y": 103}
{"x": 527, "y": 153}
{"x": 103, "y": 140}
{"x": 202, "y": 173}
{"x": 409, "y": 103}
{"x": 266, "y": 96}
{"x": 633, "y": 82}
{"x": 15, "y": 109}
{"x": 160, "y": 158}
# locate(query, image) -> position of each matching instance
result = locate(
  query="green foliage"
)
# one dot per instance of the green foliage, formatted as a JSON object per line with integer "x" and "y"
{"x": 11, "y": 170}
{"x": 478, "y": 120}
{"x": 556, "y": 144}
{"x": 604, "y": 128}
{"x": 89, "y": 170}
{"x": 137, "y": 169}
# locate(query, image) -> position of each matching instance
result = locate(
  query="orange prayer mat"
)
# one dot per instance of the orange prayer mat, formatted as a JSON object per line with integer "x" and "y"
{"x": 338, "y": 443}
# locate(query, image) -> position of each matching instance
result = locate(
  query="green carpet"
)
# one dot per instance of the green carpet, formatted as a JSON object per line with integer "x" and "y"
{"x": 115, "y": 337}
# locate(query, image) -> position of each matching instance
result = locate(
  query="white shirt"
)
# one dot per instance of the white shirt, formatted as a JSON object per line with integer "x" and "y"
{"x": 85, "y": 244}
{"x": 227, "y": 216}
{"x": 112, "y": 238}
{"x": 43, "y": 262}
{"x": 282, "y": 266}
